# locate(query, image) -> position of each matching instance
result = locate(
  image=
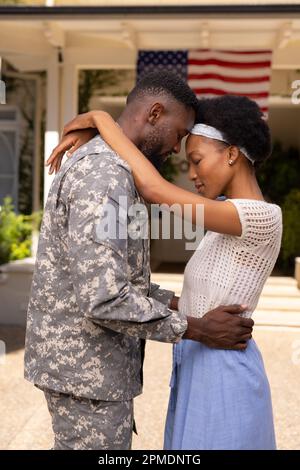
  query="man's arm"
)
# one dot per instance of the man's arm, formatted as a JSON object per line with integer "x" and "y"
{"x": 163, "y": 295}
{"x": 220, "y": 328}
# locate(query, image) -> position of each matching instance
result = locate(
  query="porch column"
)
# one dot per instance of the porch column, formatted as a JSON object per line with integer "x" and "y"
{"x": 52, "y": 115}
{"x": 70, "y": 92}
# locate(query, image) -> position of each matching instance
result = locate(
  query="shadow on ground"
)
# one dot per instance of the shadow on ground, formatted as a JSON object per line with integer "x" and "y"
{"x": 13, "y": 337}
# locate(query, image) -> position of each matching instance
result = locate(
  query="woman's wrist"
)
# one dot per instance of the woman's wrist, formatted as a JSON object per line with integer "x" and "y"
{"x": 94, "y": 116}
{"x": 103, "y": 122}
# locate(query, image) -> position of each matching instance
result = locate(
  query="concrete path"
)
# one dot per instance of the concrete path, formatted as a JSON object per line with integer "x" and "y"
{"x": 25, "y": 422}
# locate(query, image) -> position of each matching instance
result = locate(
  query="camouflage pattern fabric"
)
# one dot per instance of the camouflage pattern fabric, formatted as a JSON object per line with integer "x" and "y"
{"x": 85, "y": 424}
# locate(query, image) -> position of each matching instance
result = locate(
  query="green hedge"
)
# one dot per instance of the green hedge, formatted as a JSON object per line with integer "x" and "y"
{"x": 291, "y": 232}
{"x": 15, "y": 232}
{"x": 279, "y": 179}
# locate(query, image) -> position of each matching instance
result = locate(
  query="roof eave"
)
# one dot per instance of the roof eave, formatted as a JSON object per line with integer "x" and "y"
{"x": 69, "y": 12}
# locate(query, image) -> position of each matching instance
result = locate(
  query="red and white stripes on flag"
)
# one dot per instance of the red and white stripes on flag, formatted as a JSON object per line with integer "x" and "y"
{"x": 217, "y": 72}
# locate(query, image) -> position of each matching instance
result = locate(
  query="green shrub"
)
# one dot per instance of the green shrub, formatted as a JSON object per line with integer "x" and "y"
{"x": 15, "y": 233}
{"x": 279, "y": 179}
{"x": 280, "y": 173}
{"x": 291, "y": 228}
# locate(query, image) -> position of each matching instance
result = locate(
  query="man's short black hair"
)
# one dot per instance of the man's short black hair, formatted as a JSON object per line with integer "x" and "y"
{"x": 241, "y": 122}
{"x": 164, "y": 82}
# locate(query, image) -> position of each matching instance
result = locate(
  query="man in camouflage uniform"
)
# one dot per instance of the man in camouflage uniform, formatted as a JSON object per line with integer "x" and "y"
{"x": 92, "y": 305}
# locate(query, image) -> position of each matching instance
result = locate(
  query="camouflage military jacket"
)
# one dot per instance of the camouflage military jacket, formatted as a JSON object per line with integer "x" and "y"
{"x": 92, "y": 305}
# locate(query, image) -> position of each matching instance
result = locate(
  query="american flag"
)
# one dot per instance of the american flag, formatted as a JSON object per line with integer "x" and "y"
{"x": 211, "y": 72}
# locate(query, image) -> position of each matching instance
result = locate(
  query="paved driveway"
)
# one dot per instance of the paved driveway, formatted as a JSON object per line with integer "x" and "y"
{"x": 25, "y": 422}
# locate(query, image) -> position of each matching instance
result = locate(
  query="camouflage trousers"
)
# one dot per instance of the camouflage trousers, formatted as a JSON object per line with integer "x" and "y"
{"x": 85, "y": 424}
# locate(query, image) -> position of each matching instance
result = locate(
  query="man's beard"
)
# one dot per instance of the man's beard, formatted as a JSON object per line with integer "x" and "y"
{"x": 157, "y": 161}
{"x": 152, "y": 149}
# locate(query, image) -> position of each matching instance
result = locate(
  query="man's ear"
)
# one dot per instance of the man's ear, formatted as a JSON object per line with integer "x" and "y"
{"x": 156, "y": 111}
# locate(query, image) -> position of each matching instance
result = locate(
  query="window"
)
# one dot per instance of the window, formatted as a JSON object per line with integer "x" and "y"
{"x": 9, "y": 153}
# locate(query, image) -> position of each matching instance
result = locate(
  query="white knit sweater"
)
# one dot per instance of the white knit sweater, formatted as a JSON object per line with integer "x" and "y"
{"x": 228, "y": 269}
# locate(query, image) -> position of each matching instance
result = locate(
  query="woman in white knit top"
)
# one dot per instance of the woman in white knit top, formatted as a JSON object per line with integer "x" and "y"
{"x": 220, "y": 399}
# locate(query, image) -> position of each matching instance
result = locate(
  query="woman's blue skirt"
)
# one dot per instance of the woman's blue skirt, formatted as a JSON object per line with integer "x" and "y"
{"x": 220, "y": 399}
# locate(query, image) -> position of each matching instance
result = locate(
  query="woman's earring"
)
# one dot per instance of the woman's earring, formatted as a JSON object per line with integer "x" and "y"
{"x": 230, "y": 162}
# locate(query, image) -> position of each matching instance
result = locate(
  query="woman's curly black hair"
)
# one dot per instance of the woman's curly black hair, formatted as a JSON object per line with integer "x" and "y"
{"x": 241, "y": 122}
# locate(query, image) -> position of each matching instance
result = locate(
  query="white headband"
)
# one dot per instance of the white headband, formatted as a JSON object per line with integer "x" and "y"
{"x": 213, "y": 133}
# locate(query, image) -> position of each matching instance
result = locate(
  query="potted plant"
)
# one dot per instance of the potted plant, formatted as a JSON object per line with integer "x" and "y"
{"x": 16, "y": 263}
